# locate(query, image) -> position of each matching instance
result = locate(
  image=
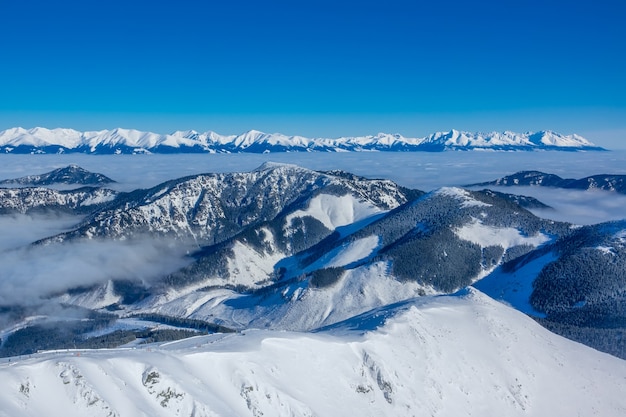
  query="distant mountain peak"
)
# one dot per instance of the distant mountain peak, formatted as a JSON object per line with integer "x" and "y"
{"x": 128, "y": 141}
{"x": 608, "y": 182}
{"x": 71, "y": 174}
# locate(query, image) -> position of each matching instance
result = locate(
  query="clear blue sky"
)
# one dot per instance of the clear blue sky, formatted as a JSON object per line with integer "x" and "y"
{"x": 316, "y": 68}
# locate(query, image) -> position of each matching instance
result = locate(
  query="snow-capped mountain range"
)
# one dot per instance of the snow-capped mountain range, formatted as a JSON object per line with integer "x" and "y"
{"x": 129, "y": 141}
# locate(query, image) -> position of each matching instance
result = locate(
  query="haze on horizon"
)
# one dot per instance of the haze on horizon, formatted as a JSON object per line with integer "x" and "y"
{"x": 317, "y": 69}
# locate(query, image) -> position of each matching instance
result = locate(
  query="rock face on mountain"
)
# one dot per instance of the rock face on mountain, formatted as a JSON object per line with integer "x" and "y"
{"x": 608, "y": 182}
{"x": 129, "y": 141}
{"x": 71, "y": 174}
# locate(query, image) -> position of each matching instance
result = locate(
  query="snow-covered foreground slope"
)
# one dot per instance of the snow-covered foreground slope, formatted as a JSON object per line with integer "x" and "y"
{"x": 438, "y": 356}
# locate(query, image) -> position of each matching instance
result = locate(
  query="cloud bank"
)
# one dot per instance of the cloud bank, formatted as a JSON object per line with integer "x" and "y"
{"x": 32, "y": 273}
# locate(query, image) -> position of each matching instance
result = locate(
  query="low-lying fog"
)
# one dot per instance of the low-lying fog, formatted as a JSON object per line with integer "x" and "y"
{"x": 32, "y": 273}
{"x": 20, "y": 229}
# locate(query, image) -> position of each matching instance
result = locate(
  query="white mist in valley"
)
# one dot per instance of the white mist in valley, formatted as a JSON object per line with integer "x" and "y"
{"x": 34, "y": 273}
{"x": 20, "y": 229}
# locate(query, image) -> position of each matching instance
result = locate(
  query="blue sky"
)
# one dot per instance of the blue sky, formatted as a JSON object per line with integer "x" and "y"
{"x": 316, "y": 68}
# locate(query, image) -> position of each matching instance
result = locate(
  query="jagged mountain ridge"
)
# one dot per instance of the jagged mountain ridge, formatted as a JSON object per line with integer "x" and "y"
{"x": 608, "y": 182}
{"x": 28, "y": 200}
{"x": 128, "y": 141}
{"x": 71, "y": 174}
{"x": 209, "y": 208}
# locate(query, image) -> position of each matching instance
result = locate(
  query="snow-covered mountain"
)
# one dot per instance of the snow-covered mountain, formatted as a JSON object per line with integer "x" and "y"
{"x": 309, "y": 250}
{"x": 285, "y": 247}
{"x": 576, "y": 282}
{"x": 82, "y": 200}
{"x": 545, "y": 140}
{"x": 210, "y": 208}
{"x": 71, "y": 174}
{"x": 608, "y": 182}
{"x": 128, "y": 141}
{"x": 460, "y": 355}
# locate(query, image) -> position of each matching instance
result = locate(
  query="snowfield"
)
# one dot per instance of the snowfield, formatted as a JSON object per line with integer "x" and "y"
{"x": 334, "y": 330}
{"x": 460, "y": 355}
{"x": 506, "y": 237}
{"x": 334, "y": 211}
{"x": 347, "y": 254}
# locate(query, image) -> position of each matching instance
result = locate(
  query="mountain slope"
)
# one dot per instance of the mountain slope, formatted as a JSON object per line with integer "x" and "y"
{"x": 434, "y": 239}
{"x": 575, "y": 285}
{"x": 448, "y": 356}
{"x": 128, "y": 141}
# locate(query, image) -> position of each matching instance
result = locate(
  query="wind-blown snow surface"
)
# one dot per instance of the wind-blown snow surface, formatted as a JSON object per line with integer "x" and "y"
{"x": 455, "y": 356}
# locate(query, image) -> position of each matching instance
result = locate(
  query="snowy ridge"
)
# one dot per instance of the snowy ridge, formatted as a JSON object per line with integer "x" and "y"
{"x": 195, "y": 207}
{"x": 41, "y": 140}
{"x": 503, "y": 141}
{"x": 346, "y": 275}
{"x": 455, "y": 356}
